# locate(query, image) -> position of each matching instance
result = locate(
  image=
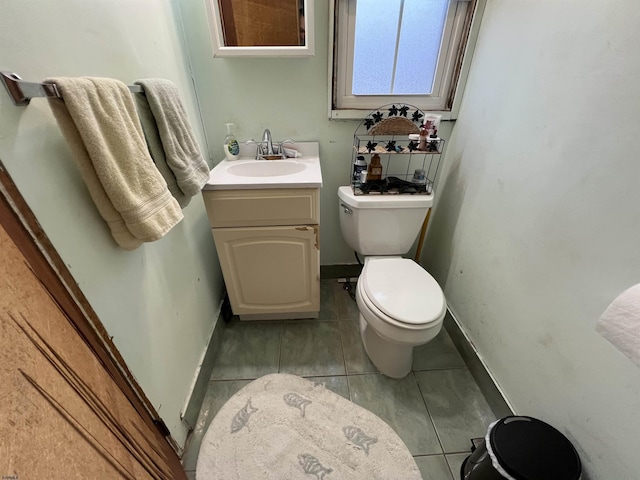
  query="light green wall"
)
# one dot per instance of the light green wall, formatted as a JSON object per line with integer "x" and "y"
{"x": 160, "y": 301}
{"x": 537, "y": 227}
{"x": 287, "y": 95}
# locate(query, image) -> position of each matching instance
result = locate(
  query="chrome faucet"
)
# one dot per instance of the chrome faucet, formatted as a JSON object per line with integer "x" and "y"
{"x": 265, "y": 148}
{"x": 266, "y": 137}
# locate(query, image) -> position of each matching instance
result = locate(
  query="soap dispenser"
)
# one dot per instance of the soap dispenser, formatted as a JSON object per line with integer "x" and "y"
{"x": 231, "y": 146}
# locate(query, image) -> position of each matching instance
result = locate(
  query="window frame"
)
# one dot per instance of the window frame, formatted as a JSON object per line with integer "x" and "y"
{"x": 460, "y": 33}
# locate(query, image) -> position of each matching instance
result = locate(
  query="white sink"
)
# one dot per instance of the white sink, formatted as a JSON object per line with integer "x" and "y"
{"x": 266, "y": 168}
{"x": 249, "y": 173}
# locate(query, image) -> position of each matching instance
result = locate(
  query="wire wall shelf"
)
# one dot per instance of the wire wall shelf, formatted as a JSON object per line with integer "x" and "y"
{"x": 392, "y": 133}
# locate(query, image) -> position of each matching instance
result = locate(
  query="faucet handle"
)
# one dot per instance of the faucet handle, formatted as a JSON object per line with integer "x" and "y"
{"x": 281, "y": 147}
{"x": 259, "y": 150}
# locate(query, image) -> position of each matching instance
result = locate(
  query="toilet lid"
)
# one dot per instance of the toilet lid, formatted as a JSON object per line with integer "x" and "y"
{"x": 403, "y": 290}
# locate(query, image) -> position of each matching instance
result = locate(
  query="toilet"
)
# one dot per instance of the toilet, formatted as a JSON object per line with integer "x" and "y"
{"x": 401, "y": 306}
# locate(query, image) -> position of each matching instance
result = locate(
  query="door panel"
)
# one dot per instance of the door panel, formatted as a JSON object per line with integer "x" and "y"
{"x": 62, "y": 415}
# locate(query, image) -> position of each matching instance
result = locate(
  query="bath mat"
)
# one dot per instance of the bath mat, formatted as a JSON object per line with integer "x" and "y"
{"x": 282, "y": 427}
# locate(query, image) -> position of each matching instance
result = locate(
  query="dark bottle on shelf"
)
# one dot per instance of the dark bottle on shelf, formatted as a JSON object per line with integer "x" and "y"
{"x": 374, "y": 171}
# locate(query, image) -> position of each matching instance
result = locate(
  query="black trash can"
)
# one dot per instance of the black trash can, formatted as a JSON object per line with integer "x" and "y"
{"x": 523, "y": 448}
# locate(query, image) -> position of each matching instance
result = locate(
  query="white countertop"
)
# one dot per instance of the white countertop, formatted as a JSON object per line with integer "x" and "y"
{"x": 309, "y": 176}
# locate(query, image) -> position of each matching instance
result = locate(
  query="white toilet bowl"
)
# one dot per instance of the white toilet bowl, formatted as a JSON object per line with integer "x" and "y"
{"x": 401, "y": 306}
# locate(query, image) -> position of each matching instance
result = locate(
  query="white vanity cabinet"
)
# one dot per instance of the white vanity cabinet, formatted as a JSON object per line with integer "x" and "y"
{"x": 268, "y": 245}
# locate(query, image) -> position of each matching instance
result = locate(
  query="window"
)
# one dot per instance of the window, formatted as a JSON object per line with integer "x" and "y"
{"x": 398, "y": 51}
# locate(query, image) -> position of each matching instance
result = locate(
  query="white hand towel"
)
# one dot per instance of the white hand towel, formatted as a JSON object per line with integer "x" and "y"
{"x": 180, "y": 146}
{"x": 620, "y": 323}
{"x": 98, "y": 119}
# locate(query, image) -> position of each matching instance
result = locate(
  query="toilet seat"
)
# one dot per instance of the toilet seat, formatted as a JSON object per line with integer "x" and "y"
{"x": 401, "y": 292}
{"x": 383, "y": 323}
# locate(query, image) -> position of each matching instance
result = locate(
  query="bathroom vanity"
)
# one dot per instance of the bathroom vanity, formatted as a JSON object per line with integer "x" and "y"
{"x": 265, "y": 219}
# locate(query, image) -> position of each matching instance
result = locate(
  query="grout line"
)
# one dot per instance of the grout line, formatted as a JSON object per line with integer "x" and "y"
{"x": 236, "y": 379}
{"x": 438, "y": 369}
{"x": 324, "y": 375}
{"x": 344, "y": 357}
{"x": 440, "y": 454}
{"x": 359, "y": 374}
{"x": 280, "y": 346}
{"x": 347, "y": 373}
{"x": 454, "y": 474}
{"x": 336, "y": 308}
{"x": 424, "y": 401}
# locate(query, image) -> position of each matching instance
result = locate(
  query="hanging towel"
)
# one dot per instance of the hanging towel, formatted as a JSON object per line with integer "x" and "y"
{"x": 178, "y": 141}
{"x": 150, "y": 129}
{"x": 98, "y": 119}
{"x": 620, "y": 323}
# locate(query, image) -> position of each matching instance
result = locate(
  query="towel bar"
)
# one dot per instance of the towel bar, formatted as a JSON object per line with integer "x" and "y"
{"x": 22, "y": 92}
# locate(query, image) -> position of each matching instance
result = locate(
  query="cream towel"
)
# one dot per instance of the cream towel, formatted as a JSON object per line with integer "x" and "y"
{"x": 180, "y": 146}
{"x": 150, "y": 129}
{"x": 98, "y": 119}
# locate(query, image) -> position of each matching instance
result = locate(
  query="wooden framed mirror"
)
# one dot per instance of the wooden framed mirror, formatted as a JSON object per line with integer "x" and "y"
{"x": 255, "y": 28}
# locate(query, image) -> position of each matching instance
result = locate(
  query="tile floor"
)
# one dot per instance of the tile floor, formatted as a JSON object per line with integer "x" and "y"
{"x": 436, "y": 409}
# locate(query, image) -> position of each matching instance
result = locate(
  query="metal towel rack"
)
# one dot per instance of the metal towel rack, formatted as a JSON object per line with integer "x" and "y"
{"x": 22, "y": 92}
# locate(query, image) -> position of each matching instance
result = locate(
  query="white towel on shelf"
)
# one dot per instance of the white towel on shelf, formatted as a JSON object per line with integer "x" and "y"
{"x": 620, "y": 323}
{"x": 181, "y": 149}
{"x": 98, "y": 119}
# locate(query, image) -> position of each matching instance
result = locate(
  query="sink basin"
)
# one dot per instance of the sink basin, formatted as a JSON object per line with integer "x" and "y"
{"x": 247, "y": 173}
{"x": 266, "y": 168}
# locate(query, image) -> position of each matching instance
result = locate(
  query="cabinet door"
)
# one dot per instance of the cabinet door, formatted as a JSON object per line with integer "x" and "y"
{"x": 271, "y": 271}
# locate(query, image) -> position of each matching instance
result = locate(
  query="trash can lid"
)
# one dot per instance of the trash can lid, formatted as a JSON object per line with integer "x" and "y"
{"x": 530, "y": 449}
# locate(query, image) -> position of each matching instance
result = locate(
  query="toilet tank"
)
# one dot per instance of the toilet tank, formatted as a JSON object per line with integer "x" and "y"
{"x": 381, "y": 224}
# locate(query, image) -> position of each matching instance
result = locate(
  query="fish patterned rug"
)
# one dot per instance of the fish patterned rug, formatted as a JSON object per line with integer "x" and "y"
{"x": 284, "y": 427}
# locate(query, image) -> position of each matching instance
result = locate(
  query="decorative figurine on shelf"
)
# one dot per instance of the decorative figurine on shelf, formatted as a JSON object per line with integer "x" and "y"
{"x": 433, "y": 141}
{"x": 424, "y": 133}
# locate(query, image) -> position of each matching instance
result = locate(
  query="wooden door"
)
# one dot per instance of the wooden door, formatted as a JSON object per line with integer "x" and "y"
{"x": 65, "y": 412}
